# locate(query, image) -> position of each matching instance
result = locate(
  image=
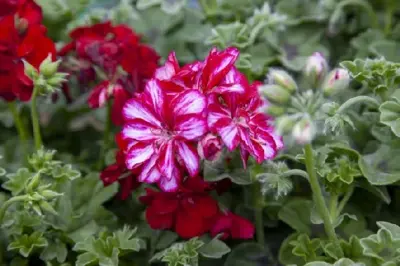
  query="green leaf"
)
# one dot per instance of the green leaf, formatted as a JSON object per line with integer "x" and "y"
{"x": 392, "y": 228}
{"x": 86, "y": 259}
{"x": 341, "y": 262}
{"x": 166, "y": 239}
{"x": 286, "y": 256}
{"x": 382, "y": 246}
{"x": 246, "y": 254}
{"x": 225, "y": 35}
{"x": 214, "y": 249}
{"x": 55, "y": 250}
{"x": 16, "y": 182}
{"x": 308, "y": 249}
{"x": 25, "y": 244}
{"x": 296, "y": 213}
{"x": 390, "y": 115}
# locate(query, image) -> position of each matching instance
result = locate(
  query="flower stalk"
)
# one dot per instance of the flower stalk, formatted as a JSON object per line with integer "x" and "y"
{"x": 318, "y": 197}
{"x": 106, "y": 135}
{"x": 352, "y": 101}
{"x": 8, "y": 203}
{"x": 35, "y": 119}
{"x": 22, "y": 132}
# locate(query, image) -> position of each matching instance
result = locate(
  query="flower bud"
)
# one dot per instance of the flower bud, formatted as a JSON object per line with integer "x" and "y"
{"x": 316, "y": 68}
{"x": 337, "y": 80}
{"x": 304, "y": 131}
{"x": 210, "y": 147}
{"x": 30, "y": 71}
{"x": 275, "y": 110}
{"x": 284, "y": 124}
{"x": 45, "y": 206}
{"x": 274, "y": 93}
{"x": 283, "y": 79}
{"x": 48, "y": 68}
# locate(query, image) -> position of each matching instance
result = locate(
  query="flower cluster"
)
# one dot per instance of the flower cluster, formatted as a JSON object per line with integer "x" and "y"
{"x": 180, "y": 107}
{"x": 191, "y": 212}
{"x": 183, "y": 116}
{"x": 22, "y": 37}
{"x": 118, "y": 58}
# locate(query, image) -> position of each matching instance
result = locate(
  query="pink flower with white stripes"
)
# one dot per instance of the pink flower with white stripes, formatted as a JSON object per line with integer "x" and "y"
{"x": 240, "y": 122}
{"x": 162, "y": 131}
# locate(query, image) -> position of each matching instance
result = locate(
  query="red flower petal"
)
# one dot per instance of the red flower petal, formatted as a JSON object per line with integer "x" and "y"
{"x": 138, "y": 154}
{"x": 188, "y": 102}
{"x": 189, "y": 156}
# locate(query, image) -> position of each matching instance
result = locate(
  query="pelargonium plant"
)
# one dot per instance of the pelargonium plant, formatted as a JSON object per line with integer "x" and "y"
{"x": 199, "y": 132}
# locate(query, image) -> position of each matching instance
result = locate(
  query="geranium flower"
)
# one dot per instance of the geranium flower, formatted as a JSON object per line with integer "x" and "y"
{"x": 18, "y": 43}
{"x": 239, "y": 121}
{"x": 110, "y": 47}
{"x": 233, "y": 226}
{"x": 217, "y": 74}
{"x": 210, "y": 147}
{"x": 189, "y": 213}
{"x": 162, "y": 132}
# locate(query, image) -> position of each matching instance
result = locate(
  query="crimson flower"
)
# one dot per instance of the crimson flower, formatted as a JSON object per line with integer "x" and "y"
{"x": 161, "y": 131}
{"x": 21, "y": 38}
{"x": 118, "y": 172}
{"x": 233, "y": 226}
{"x": 189, "y": 213}
{"x": 109, "y": 47}
{"x": 210, "y": 147}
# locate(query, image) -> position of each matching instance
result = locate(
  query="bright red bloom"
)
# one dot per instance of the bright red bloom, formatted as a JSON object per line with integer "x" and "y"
{"x": 161, "y": 131}
{"x": 8, "y": 7}
{"x": 232, "y": 226}
{"x": 21, "y": 37}
{"x": 189, "y": 213}
{"x": 118, "y": 172}
{"x": 109, "y": 47}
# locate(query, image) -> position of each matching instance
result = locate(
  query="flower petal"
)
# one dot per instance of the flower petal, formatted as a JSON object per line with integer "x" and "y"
{"x": 156, "y": 95}
{"x": 139, "y": 131}
{"x": 138, "y": 154}
{"x": 169, "y": 184}
{"x": 189, "y": 156}
{"x": 149, "y": 173}
{"x": 190, "y": 127}
{"x": 188, "y": 228}
{"x": 134, "y": 109}
{"x": 99, "y": 96}
{"x": 166, "y": 162}
{"x": 241, "y": 228}
{"x": 188, "y": 102}
{"x": 228, "y": 132}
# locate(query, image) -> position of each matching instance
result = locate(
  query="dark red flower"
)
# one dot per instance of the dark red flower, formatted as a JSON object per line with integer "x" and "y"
{"x": 118, "y": 172}
{"x": 188, "y": 213}
{"x": 8, "y": 7}
{"x": 232, "y": 226}
{"x": 29, "y": 44}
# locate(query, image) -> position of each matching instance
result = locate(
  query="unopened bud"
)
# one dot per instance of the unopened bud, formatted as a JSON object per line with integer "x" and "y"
{"x": 304, "y": 131}
{"x": 30, "y": 71}
{"x": 316, "y": 68}
{"x": 44, "y": 205}
{"x": 274, "y": 93}
{"x": 284, "y": 124}
{"x": 50, "y": 194}
{"x": 210, "y": 147}
{"x": 282, "y": 78}
{"x": 48, "y": 68}
{"x": 275, "y": 110}
{"x": 337, "y": 80}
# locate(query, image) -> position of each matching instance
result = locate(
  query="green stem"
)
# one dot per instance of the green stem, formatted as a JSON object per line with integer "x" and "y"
{"x": 297, "y": 172}
{"x": 106, "y": 135}
{"x": 22, "y": 132}
{"x": 35, "y": 119}
{"x": 388, "y": 18}
{"x": 317, "y": 193}
{"x": 345, "y": 199}
{"x": 333, "y": 203}
{"x": 361, "y": 3}
{"x": 351, "y": 102}
{"x": 8, "y": 203}
{"x": 258, "y": 212}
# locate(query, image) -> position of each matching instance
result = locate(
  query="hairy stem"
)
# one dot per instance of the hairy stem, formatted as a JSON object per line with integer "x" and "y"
{"x": 358, "y": 99}
{"x": 8, "y": 203}
{"x": 333, "y": 204}
{"x": 297, "y": 172}
{"x": 106, "y": 135}
{"x": 258, "y": 212}
{"x": 22, "y": 132}
{"x": 35, "y": 119}
{"x": 317, "y": 193}
{"x": 345, "y": 199}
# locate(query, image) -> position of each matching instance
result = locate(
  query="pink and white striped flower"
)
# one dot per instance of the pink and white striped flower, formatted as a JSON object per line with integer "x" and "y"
{"x": 162, "y": 131}
{"x": 240, "y": 122}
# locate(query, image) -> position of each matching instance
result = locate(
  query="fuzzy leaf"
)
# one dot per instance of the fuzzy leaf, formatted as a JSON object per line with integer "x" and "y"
{"x": 16, "y": 182}
{"x": 25, "y": 244}
{"x": 390, "y": 115}
{"x": 246, "y": 254}
{"x": 214, "y": 249}
{"x": 296, "y": 213}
